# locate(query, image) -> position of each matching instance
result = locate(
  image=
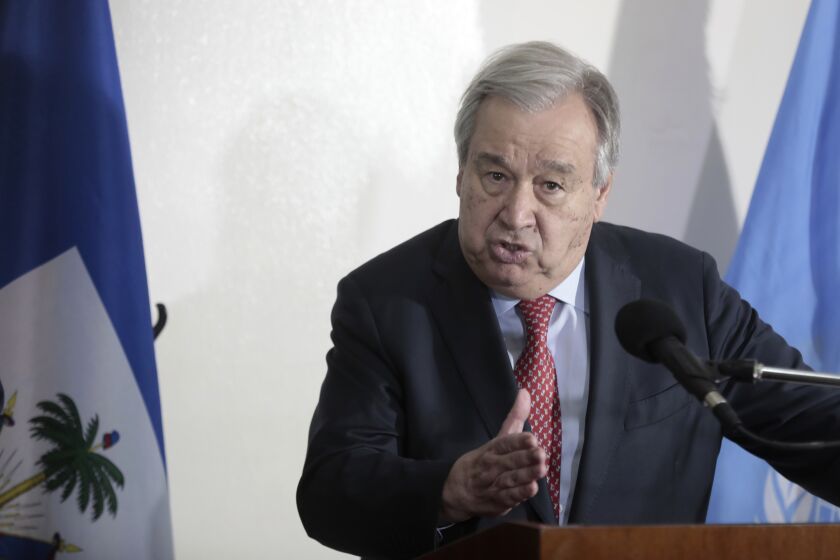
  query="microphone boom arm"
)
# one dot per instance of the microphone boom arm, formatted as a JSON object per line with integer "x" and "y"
{"x": 752, "y": 371}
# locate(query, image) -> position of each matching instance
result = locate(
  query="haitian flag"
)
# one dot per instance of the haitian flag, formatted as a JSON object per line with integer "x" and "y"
{"x": 787, "y": 264}
{"x": 82, "y": 470}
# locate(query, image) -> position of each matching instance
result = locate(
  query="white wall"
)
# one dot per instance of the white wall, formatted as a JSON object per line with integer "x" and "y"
{"x": 279, "y": 144}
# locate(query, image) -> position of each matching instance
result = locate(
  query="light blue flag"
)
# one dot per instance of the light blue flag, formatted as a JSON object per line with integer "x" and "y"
{"x": 787, "y": 264}
{"x": 82, "y": 470}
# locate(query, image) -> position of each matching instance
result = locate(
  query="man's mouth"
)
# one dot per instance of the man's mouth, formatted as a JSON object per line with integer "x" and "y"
{"x": 509, "y": 253}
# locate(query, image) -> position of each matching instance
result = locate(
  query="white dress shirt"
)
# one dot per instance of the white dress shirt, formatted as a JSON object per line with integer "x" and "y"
{"x": 568, "y": 342}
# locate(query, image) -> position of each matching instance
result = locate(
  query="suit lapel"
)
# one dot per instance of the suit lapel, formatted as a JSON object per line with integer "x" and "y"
{"x": 609, "y": 286}
{"x": 464, "y": 313}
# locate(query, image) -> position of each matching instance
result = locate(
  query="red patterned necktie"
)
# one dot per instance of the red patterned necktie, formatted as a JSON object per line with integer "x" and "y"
{"x": 535, "y": 372}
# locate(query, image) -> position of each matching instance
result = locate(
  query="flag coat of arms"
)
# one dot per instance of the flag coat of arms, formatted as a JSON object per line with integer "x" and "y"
{"x": 82, "y": 467}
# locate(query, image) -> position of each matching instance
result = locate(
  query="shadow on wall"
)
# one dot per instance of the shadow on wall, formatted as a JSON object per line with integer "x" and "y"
{"x": 712, "y": 224}
{"x": 288, "y": 229}
{"x": 673, "y": 176}
{"x": 259, "y": 323}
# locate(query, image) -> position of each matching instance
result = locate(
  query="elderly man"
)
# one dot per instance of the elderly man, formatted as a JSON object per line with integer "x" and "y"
{"x": 476, "y": 377}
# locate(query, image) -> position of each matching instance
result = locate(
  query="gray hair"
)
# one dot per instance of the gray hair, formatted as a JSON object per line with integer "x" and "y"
{"x": 534, "y": 76}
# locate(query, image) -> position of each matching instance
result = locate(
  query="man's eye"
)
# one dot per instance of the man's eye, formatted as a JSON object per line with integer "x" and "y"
{"x": 496, "y": 176}
{"x": 551, "y": 186}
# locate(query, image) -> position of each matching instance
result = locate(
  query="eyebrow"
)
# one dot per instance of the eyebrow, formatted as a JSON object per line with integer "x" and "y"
{"x": 556, "y": 166}
{"x": 495, "y": 159}
{"x": 550, "y": 164}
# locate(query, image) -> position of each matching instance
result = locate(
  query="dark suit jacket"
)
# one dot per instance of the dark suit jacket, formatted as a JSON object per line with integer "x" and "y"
{"x": 419, "y": 375}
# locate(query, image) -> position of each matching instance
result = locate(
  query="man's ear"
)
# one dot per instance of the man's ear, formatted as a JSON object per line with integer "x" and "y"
{"x": 601, "y": 196}
{"x": 458, "y": 182}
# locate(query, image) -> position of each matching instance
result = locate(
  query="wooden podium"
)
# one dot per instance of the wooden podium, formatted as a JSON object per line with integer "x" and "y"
{"x": 530, "y": 541}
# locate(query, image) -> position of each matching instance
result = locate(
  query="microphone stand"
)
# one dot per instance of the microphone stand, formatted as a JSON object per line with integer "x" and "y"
{"x": 691, "y": 373}
{"x": 651, "y": 331}
{"x": 751, "y": 371}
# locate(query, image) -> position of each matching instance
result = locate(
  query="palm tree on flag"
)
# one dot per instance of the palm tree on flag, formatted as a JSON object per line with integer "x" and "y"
{"x": 72, "y": 462}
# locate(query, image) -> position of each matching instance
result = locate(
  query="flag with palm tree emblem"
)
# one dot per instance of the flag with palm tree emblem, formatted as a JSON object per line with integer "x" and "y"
{"x": 82, "y": 465}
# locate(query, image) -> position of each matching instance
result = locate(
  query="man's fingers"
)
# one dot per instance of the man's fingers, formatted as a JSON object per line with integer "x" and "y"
{"x": 519, "y": 477}
{"x": 531, "y": 457}
{"x": 510, "y": 469}
{"x": 507, "y": 453}
{"x": 515, "y": 421}
{"x": 507, "y": 457}
{"x": 502, "y": 445}
{"x": 512, "y": 497}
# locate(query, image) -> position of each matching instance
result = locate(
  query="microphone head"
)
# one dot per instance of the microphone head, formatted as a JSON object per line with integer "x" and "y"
{"x": 643, "y": 322}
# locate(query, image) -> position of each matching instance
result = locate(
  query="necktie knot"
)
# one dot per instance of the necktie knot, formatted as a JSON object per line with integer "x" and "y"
{"x": 536, "y": 314}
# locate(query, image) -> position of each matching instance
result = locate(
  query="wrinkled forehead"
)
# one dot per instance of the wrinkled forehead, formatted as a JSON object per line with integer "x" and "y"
{"x": 504, "y": 131}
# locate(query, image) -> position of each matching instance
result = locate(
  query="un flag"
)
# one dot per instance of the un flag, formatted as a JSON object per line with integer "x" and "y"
{"x": 787, "y": 264}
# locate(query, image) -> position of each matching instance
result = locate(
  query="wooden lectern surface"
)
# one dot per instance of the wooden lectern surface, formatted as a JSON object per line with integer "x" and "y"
{"x": 656, "y": 542}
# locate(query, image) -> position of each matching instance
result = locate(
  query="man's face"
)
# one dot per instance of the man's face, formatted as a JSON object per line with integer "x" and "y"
{"x": 527, "y": 198}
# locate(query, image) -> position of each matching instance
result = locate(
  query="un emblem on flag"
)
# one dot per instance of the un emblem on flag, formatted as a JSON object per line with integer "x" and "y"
{"x": 785, "y": 502}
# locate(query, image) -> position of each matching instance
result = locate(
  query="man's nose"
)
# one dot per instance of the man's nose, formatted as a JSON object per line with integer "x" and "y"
{"x": 519, "y": 211}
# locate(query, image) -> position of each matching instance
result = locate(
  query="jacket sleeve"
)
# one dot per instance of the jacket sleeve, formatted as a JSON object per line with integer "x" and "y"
{"x": 779, "y": 411}
{"x": 358, "y": 492}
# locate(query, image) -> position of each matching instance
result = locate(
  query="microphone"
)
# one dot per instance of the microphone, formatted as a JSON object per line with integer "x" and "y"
{"x": 651, "y": 331}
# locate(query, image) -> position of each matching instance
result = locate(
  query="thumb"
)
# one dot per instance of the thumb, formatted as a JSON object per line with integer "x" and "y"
{"x": 515, "y": 421}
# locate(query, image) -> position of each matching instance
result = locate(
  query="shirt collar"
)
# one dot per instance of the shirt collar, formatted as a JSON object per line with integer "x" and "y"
{"x": 570, "y": 291}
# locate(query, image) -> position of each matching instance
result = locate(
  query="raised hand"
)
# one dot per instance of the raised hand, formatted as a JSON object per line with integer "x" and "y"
{"x": 499, "y": 475}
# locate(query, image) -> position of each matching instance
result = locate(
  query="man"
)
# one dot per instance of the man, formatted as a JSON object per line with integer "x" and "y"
{"x": 476, "y": 377}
